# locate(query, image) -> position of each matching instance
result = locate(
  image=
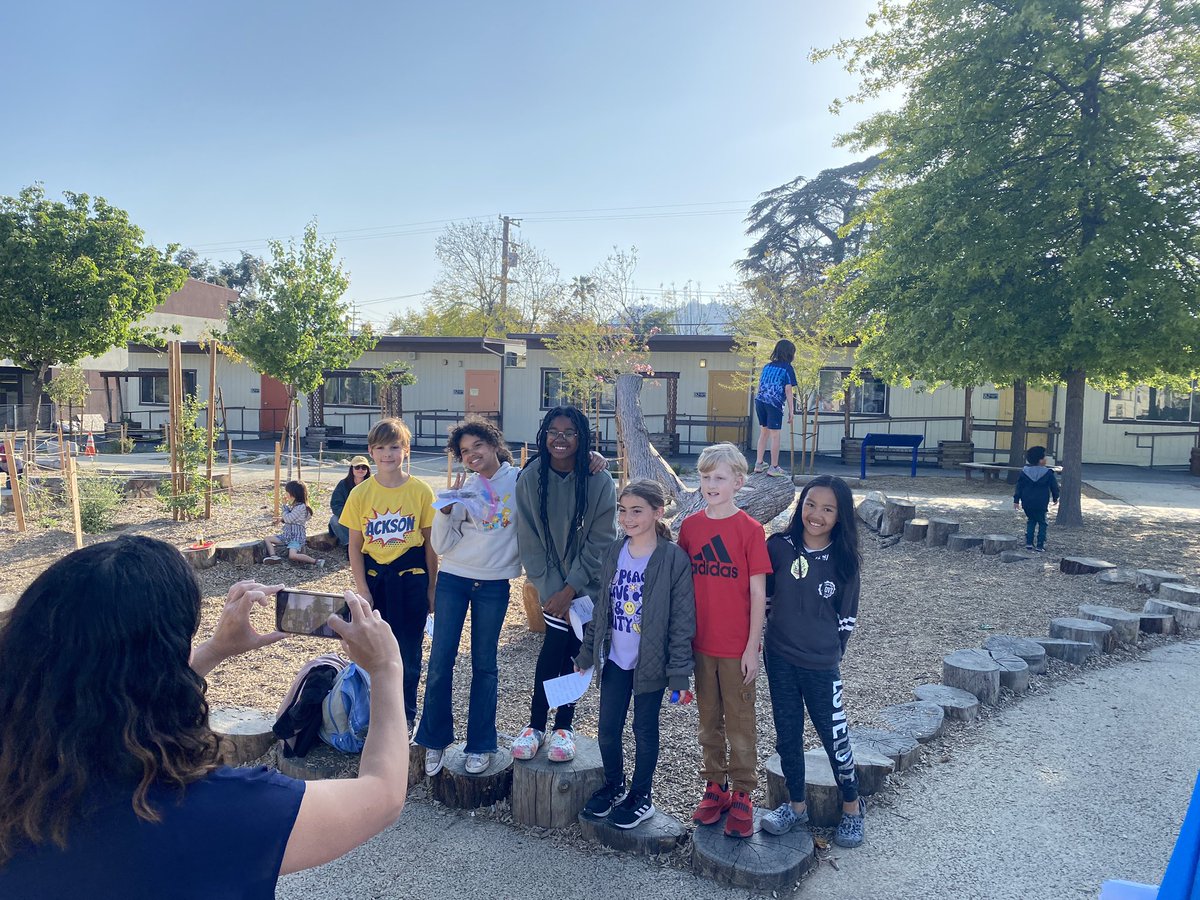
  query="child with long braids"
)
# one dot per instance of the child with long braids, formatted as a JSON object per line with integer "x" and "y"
{"x": 565, "y": 524}
{"x": 813, "y": 591}
{"x": 641, "y": 637}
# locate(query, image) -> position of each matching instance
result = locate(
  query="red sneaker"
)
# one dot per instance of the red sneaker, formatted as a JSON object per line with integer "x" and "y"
{"x": 716, "y": 801}
{"x": 740, "y": 821}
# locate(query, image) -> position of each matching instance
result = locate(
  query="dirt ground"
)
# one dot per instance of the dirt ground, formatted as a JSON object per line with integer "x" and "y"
{"x": 918, "y": 604}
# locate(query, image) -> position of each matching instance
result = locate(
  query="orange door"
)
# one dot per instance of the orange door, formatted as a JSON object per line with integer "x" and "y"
{"x": 272, "y": 404}
{"x": 483, "y": 391}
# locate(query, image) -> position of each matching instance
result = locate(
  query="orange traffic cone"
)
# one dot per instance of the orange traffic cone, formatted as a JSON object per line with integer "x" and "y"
{"x": 90, "y": 449}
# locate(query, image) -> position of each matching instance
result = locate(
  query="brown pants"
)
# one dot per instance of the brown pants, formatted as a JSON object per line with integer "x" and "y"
{"x": 726, "y": 707}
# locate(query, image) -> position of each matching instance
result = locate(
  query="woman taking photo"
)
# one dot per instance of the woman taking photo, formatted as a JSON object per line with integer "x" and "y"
{"x": 112, "y": 786}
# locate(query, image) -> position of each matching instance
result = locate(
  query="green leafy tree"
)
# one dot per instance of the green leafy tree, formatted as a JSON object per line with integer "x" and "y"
{"x": 297, "y": 327}
{"x": 68, "y": 388}
{"x": 590, "y": 356}
{"x": 1041, "y": 211}
{"x": 390, "y": 381}
{"x": 75, "y": 279}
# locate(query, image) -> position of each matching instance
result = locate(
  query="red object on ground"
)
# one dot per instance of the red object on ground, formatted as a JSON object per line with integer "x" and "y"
{"x": 90, "y": 449}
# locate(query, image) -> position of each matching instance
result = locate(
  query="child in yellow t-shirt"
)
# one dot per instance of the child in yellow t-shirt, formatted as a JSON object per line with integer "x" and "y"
{"x": 390, "y": 517}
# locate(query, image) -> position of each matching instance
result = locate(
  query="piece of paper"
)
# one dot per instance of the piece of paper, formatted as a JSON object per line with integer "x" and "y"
{"x": 566, "y": 689}
{"x": 429, "y": 625}
{"x": 580, "y": 614}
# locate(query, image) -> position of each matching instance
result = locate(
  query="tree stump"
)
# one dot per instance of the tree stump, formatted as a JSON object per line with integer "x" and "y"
{"x": 1082, "y": 565}
{"x": 916, "y": 529}
{"x": 1124, "y": 624}
{"x": 958, "y": 705}
{"x": 960, "y": 541}
{"x": 1148, "y": 581}
{"x": 1187, "y": 617}
{"x": 323, "y": 762}
{"x": 1156, "y": 623}
{"x": 994, "y": 544}
{"x": 533, "y": 608}
{"x": 7, "y": 602}
{"x": 922, "y": 720}
{"x": 1074, "y": 652}
{"x": 1012, "y": 556}
{"x": 245, "y": 733}
{"x": 902, "y": 749}
{"x": 1119, "y": 575}
{"x": 762, "y": 498}
{"x": 1184, "y": 595}
{"x": 895, "y": 514}
{"x": 1071, "y": 628}
{"x": 241, "y": 553}
{"x": 821, "y": 793}
{"x": 455, "y": 787}
{"x": 939, "y": 531}
{"x": 871, "y": 768}
{"x": 204, "y": 557}
{"x": 658, "y": 834}
{"x": 416, "y": 764}
{"x": 761, "y": 862}
{"x": 1014, "y": 671}
{"x": 323, "y": 541}
{"x": 1031, "y": 651}
{"x": 551, "y": 794}
{"x": 871, "y": 513}
{"x": 973, "y": 671}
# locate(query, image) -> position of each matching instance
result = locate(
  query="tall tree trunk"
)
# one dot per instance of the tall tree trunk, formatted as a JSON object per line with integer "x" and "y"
{"x": 968, "y": 422}
{"x": 39, "y": 388}
{"x": 1016, "y": 442}
{"x": 1070, "y": 510}
{"x": 641, "y": 459}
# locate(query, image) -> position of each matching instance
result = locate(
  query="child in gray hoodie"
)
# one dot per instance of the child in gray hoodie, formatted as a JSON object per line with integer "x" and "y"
{"x": 1035, "y": 487}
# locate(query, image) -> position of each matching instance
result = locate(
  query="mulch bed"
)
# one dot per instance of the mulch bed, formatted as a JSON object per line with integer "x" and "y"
{"x": 918, "y": 604}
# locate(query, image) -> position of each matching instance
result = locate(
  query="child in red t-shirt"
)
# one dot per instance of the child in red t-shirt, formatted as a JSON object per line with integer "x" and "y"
{"x": 728, "y": 550}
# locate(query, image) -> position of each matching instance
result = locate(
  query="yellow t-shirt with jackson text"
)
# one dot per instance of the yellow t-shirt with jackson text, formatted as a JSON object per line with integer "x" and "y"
{"x": 389, "y": 519}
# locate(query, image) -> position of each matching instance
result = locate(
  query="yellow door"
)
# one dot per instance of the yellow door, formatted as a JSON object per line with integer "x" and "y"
{"x": 1037, "y": 412}
{"x": 726, "y": 402}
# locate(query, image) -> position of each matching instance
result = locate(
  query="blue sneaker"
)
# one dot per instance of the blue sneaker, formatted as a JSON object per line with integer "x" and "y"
{"x": 850, "y": 830}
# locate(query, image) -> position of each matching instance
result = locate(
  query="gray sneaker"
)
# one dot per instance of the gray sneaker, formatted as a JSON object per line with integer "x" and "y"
{"x": 433, "y": 761}
{"x": 850, "y": 831}
{"x": 783, "y": 819}
{"x": 477, "y": 763}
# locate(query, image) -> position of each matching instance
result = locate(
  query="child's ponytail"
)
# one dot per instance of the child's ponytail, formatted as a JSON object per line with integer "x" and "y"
{"x": 652, "y": 492}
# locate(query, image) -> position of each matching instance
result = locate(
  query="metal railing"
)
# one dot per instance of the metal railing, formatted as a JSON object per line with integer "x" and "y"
{"x": 1153, "y": 437}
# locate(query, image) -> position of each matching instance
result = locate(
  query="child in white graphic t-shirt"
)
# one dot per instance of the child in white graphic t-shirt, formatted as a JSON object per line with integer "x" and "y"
{"x": 641, "y": 637}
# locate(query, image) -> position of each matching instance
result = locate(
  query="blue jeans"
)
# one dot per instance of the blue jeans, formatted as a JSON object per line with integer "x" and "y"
{"x": 340, "y": 531}
{"x": 616, "y": 689}
{"x": 488, "y": 601}
{"x": 1036, "y": 519}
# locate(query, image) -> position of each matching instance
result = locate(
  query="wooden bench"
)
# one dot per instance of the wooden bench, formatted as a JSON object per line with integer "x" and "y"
{"x": 993, "y": 471}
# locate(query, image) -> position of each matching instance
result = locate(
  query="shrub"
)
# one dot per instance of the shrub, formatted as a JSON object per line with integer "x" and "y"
{"x": 99, "y": 499}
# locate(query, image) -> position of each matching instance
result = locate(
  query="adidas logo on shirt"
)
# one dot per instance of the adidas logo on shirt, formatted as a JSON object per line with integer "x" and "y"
{"x": 714, "y": 559}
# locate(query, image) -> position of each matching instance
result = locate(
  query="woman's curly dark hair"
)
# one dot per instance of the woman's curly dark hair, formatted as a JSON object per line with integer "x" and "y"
{"x": 477, "y": 426}
{"x": 96, "y": 690}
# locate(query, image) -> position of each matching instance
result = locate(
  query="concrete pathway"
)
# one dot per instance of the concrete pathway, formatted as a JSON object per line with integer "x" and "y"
{"x": 1082, "y": 783}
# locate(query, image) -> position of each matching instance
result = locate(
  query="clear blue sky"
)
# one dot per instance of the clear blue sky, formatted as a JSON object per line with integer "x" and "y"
{"x": 221, "y": 125}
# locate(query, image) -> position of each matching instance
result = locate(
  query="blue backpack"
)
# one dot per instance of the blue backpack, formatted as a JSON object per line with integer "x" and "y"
{"x": 346, "y": 712}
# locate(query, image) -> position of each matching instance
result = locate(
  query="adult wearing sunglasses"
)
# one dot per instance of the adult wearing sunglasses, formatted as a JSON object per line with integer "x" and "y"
{"x": 360, "y": 471}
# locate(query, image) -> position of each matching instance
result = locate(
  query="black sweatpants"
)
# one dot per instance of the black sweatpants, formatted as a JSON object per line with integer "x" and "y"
{"x": 402, "y": 598}
{"x": 792, "y": 690}
{"x": 616, "y": 690}
{"x": 559, "y": 649}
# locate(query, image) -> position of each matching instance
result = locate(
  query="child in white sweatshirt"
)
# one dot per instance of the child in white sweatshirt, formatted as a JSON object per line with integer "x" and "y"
{"x": 478, "y": 559}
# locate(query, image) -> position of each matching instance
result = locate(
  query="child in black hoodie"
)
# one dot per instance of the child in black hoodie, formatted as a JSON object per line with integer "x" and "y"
{"x": 1035, "y": 487}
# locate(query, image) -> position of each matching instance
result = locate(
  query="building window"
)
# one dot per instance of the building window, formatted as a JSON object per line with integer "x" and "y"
{"x": 351, "y": 390}
{"x": 866, "y": 399}
{"x": 10, "y": 388}
{"x": 1148, "y": 404}
{"x": 154, "y": 388}
{"x": 553, "y": 393}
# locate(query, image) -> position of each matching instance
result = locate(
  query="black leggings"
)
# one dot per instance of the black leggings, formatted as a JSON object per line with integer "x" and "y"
{"x": 559, "y": 649}
{"x": 793, "y": 689}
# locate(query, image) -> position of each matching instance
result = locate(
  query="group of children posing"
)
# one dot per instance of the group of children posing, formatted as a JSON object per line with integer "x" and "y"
{"x": 663, "y": 612}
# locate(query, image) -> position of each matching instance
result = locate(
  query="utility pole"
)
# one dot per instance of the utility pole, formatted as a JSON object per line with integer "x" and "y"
{"x": 505, "y": 251}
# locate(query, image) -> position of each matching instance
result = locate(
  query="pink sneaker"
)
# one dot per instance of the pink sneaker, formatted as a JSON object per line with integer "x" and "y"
{"x": 527, "y": 743}
{"x": 561, "y": 746}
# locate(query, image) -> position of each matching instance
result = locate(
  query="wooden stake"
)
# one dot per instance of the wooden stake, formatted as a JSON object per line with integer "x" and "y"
{"x": 449, "y": 470}
{"x": 10, "y": 460}
{"x": 62, "y": 459}
{"x": 73, "y": 490}
{"x": 792, "y": 438}
{"x": 524, "y": 454}
{"x": 228, "y": 440}
{"x": 320, "y": 463}
{"x": 278, "y": 450}
{"x": 212, "y": 417}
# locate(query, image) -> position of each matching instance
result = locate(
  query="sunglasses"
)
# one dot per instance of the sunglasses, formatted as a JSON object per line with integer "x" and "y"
{"x": 362, "y": 468}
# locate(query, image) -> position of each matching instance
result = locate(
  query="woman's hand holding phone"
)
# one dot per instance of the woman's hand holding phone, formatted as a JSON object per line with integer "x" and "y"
{"x": 366, "y": 638}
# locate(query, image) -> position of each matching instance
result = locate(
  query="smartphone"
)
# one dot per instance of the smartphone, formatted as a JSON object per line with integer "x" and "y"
{"x": 308, "y": 612}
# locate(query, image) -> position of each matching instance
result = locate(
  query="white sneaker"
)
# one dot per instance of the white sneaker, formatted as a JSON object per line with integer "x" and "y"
{"x": 272, "y": 560}
{"x": 527, "y": 743}
{"x": 433, "y": 761}
{"x": 562, "y": 746}
{"x": 477, "y": 763}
